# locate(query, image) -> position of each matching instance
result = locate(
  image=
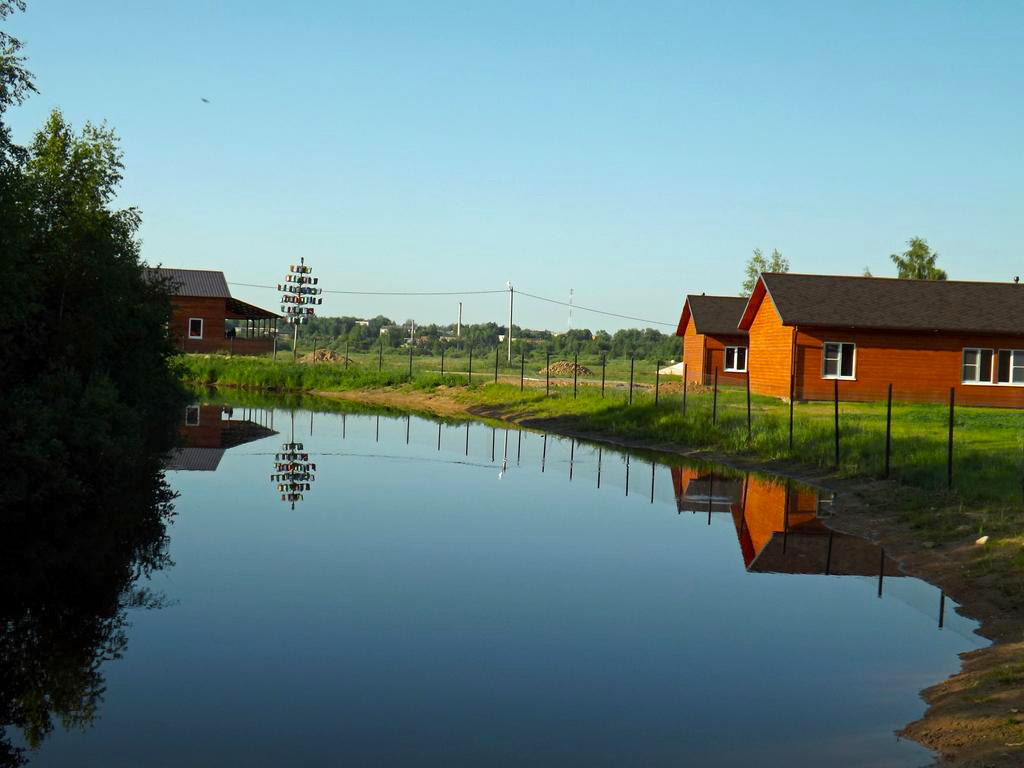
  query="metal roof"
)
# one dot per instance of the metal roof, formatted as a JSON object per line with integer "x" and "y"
{"x": 205, "y": 283}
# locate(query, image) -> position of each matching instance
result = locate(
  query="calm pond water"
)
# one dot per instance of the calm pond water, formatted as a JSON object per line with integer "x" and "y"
{"x": 447, "y": 594}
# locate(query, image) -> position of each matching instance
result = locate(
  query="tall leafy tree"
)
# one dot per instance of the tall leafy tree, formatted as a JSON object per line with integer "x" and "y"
{"x": 917, "y": 262}
{"x": 758, "y": 263}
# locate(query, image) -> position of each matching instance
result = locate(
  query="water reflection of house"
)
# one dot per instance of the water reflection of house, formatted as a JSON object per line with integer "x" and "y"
{"x": 777, "y": 524}
{"x": 209, "y": 430}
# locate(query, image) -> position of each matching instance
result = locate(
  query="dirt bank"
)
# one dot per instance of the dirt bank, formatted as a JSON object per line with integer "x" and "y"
{"x": 975, "y": 719}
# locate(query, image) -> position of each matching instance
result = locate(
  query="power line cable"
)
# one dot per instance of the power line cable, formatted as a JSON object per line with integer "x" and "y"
{"x": 387, "y": 293}
{"x": 477, "y": 293}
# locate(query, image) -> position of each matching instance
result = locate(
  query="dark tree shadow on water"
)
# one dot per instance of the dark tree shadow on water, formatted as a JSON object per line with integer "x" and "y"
{"x": 71, "y": 568}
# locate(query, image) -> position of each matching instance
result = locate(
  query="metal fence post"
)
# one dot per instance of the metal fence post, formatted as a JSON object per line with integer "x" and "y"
{"x": 346, "y": 354}
{"x": 410, "y": 361}
{"x": 750, "y": 430}
{"x": 888, "y": 431}
{"x": 949, "y": 452}
{"x": 380, "y": 357}
{"x": 315, "y": 340}
{"x": 469, "y": 378}
{"x": 522, "y": 364}
{"x": 714, "y": 402}
{"x": 442, "y": 362}
{"x": 685, "y": 386}
{"x": 275, "y": 346}
{"x": 631, "y": 379}
{"x": 497, "y": 349}
{"x": 575, "y": 371}
{"x": 835, "y": 402}
{"x": 792, "y": 395}
{"x": 547, "y": 372}
{"x": 657, "y": 380}
{"x": 604, "y": 361}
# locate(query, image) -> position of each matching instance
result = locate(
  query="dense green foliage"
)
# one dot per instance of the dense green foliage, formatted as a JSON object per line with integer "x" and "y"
{"x": 758, "y": 264}
{"x": 337, "y": 332}
{"x": 87, "y": 412}
{"x": 917, "y": 262}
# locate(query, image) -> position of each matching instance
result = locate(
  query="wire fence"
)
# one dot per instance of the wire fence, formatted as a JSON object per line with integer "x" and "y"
{"x": 977, "y": 451}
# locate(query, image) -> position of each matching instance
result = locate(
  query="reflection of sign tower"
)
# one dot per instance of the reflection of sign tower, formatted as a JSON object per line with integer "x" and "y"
{"x": 298, "y": 296}
{"x": 293, "y": 471}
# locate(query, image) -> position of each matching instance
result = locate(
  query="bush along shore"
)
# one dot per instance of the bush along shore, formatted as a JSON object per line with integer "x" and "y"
{"x": 932, "y": 528}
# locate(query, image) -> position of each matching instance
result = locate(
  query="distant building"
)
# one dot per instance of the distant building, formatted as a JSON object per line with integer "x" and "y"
{"x": 201, "y": 305}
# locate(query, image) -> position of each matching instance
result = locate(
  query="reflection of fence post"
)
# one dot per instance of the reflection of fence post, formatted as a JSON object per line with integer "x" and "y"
{"x": 685, "y": 377}
{"x": 631, "y": 379}
{"x": 714, "y": 402}
{"x": 657, "y": 379}
{"x": 949, "y": 452}
{"x": 750, "y": 432}
{"x": 575, "y": 371}
{"x": 792, "y": 395}
{"x": 835, "y": 407}
{"x": 604, "y": 360}
{"x": 888, "y": 431}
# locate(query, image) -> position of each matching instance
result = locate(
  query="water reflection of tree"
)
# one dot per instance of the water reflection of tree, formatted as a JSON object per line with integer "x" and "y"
{"x": 70, "y": 569}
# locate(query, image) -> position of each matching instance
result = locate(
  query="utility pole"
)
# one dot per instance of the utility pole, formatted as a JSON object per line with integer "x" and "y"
{"x": 511, "y": 294}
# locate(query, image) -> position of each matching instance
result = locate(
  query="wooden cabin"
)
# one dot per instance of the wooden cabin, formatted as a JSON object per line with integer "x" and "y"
{"x": 712, "y": 339}
{"x": 808, "y": 332}
{"x": 201, "y": 308}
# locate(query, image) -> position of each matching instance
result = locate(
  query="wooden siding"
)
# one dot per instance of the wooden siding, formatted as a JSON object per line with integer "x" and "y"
{"x": 693, "y": 353}
{"x": 771, "y": 352}
{"x": 920, "y": 366}
{"x": 714, "y": 357}
{"x": 212, "y": 311}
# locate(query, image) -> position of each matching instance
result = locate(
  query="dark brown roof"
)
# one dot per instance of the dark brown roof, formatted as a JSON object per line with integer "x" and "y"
{"x": 207, "y": 283}
{"x": 890, "y": 304}
{"x": 713, "y": 315}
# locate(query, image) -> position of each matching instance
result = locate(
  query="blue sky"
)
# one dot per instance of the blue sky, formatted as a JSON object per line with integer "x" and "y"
{"x": 632, "y": 151}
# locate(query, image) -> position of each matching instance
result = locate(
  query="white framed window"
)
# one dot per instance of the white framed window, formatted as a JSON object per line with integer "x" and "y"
{"x": 191, "y": 415}
{"x": 1010, "y": 367}
{"x": 195, "y": 327}
{"x": 736, "y": 359}
{"x": 977, "y": 366}
{"x": 839, "y": 360}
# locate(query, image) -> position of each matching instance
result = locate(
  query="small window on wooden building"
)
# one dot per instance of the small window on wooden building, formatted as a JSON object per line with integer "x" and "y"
{"x": 736, "y": 359}
{"x": 838, "y": 360}
{"x": 1010, "y": 366}
{"x": 977, "y": 368}
{"x": 192, "y": 416}
{"x": 195, "y": 327}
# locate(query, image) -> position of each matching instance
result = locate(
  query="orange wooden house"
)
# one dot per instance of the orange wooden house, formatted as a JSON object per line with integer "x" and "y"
{"x": 808, "y": 332}
{"x": 712, "y": 340}
{"x": 202, "y": 305}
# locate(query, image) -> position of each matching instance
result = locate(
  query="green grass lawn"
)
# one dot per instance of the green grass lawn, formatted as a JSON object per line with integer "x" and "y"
{"x": 988, "y": 454}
